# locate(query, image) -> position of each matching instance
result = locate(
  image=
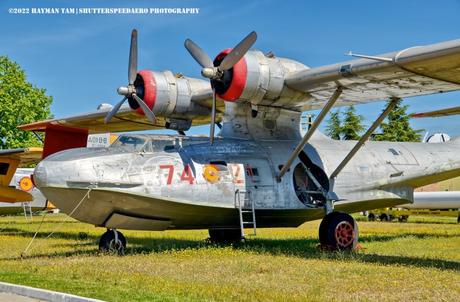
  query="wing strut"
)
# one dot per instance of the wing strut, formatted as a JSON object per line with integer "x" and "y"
{"x": 364, "y": 138}
{"x": 310, "y": 132}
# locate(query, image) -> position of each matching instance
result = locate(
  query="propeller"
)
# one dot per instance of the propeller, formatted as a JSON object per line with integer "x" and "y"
{"x": 216, "y": 73}
{"x": 130, "y": 92}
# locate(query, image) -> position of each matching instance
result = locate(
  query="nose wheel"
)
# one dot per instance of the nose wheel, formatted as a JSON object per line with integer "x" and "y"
{"x": 113, "y": 242}
{"x": 338, "y": 231}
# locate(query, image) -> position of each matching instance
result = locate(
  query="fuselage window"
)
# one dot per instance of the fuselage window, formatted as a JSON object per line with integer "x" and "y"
{"x": 394, "y": 152}
{"x": 4, "y": 168}
{"x": 220, "y": 165}
{"x": 131, "y": 143}
{"x": 168, "y": 148}
{"x": 251, "y": 171}
{"x": 161, "y": 145}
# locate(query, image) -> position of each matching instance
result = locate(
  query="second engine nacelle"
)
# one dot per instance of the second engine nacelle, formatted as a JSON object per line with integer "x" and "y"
{"x": 167, "y": 94}
{"x": 256, "y": 78}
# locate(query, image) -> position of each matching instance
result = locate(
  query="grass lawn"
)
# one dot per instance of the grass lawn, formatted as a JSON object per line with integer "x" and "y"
{"x": 418, "y": 260}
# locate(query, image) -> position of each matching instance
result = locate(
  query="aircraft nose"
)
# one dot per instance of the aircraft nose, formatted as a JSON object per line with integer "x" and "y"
{"x": 39, "y": 175}
{"x": 52, "y": 173}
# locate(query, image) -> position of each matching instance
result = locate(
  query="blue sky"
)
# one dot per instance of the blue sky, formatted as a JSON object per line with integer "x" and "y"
{"x": 82, "y": 59}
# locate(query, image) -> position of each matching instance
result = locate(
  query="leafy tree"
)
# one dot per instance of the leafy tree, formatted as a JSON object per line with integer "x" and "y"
{"x": 352, "y": 124}
{"x": 397, "y": 128}
{"x": 20, "y": 103}
{"x": 334, "y": 125}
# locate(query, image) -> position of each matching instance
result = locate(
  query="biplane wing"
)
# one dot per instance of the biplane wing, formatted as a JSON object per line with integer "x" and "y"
{"x": 9, "y": 161}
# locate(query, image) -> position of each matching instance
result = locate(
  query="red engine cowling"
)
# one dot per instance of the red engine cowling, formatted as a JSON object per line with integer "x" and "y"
{"x": 146, "y": 87}
{"x": 256, "y": 78}
{"x": 234, "y": 81}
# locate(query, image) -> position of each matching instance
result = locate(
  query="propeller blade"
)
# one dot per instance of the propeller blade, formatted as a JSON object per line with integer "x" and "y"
{"x": 238, "y": 52}
{"x": 213, "y": 117}
{"x": 148, "y": 113}
{"x": 198, "y": 54}
{"x": 132, "y": 67}
{"x": 114, "y": 111}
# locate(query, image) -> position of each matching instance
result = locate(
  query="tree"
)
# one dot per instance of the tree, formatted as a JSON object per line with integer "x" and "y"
{"x": 20, "y": 103}
{"x": 334, "y": 125}
{"x": 352, "y": 124}
{"x": 397, "y": 128}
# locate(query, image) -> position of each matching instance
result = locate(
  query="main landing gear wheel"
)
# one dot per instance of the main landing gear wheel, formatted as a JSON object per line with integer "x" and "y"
{"x": 112, "y": 241}
{"x": 371, "y": 217}
{"x": 225, "y": 235}
{"x": 338, "y": 231}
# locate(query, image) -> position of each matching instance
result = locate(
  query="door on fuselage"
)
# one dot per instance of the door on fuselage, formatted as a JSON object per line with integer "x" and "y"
{"x": 259, "y": 181}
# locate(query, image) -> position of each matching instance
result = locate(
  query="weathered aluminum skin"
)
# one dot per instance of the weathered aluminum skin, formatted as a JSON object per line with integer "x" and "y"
{"x": 135, "y": 189}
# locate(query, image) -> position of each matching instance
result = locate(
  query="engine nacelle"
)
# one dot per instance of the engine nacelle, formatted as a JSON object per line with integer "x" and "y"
{"x": 167, "y": 94}
{"x": 256, "y": 78}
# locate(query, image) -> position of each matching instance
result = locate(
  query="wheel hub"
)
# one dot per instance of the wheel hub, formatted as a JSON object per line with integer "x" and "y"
{"x": 115, "y": 245}
{"x": 344, "y": 234}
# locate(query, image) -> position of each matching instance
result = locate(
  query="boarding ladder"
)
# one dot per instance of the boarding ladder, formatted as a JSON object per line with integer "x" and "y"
{"x": 246, "y": 211}
{"x": 27, "y": 210}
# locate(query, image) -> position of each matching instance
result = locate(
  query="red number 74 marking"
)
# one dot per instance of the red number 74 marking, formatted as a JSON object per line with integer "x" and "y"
{"x": 186, "y": 175}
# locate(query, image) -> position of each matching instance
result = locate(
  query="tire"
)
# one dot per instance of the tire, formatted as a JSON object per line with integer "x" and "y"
{"x": 402, "y": 218}
{"x": 371, "y": 217}
{"x": 384, "y": 217}
{"x": 338, "y": 231}
{"x": 107, "y": 243}
{"x": 323, "y": 228}
{"x": 225, "y": 235}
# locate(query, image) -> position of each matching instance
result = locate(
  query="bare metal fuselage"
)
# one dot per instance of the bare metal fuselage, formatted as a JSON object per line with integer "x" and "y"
{"x": 184, "y": 182}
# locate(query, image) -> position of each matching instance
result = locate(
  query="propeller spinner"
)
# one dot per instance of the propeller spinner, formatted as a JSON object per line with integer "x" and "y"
{"x": 130, "y": 92}
{"x": 216, "y": 74}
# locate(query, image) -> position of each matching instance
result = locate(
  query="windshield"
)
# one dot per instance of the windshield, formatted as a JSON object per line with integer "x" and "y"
{"x": 131, "y": 143}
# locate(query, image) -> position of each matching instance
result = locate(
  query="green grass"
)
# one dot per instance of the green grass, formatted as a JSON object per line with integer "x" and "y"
{"x": 397, "y": 262}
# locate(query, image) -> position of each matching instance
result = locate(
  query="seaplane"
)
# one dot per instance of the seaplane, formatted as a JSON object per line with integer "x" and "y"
{"x": 258, "y": 171}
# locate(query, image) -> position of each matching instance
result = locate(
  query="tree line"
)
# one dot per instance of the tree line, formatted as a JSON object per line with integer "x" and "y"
{"x": 348, "y": 125}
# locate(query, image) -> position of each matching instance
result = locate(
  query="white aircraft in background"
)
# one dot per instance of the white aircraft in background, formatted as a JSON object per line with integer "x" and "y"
{"x": 442, "y": 195}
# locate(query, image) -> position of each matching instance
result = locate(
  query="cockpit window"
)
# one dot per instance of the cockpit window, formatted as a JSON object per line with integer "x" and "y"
{"x": 132, "y": 143}
{"x": 159, "y": 146}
